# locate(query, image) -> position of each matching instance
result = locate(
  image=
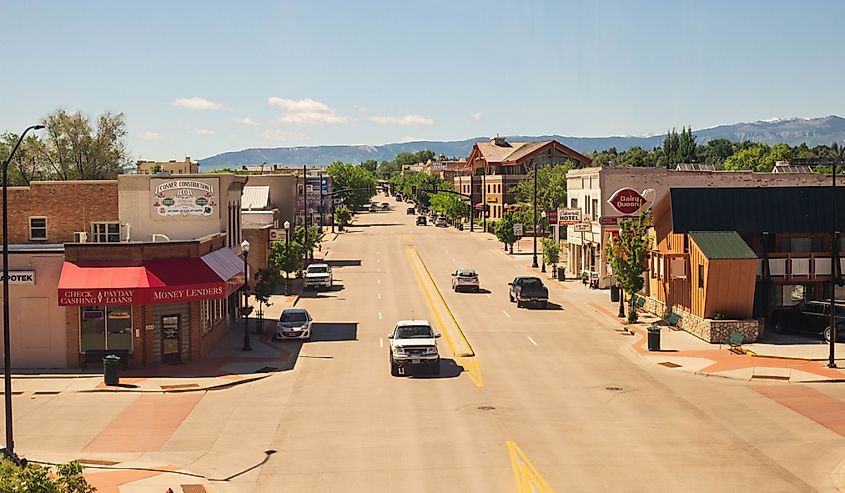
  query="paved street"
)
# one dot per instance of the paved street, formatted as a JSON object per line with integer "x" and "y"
{"x": 527, "y": 400}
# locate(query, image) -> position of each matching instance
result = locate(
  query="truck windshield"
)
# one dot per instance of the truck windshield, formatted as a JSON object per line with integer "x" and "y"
{"x": 414, "y": 332}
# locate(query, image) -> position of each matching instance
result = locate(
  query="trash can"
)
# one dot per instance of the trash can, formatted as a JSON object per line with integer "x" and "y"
{"x": 110, "y": 364}
{"x": 561, "y": 273}
{"x": 614, "y": 294}
{"x": 654, "y": 338}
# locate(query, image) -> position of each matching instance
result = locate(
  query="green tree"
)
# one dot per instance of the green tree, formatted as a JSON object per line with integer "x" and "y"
{"x": 34, "y": 478}
{"x": 267, "y": 280}
{"x": 360, "y": 183}
{"x": 551, "y": 252}
{"x": 757, "y": 157}
{"x": 449, "y": 205}
{"x": 342, "y": 215}
{"x": 503, "y": 229}
{"x": 286, "y": 258}
{"x": 551, "y": 187}
{"x": 370, "y": 165}
{"x": 626, "y": 255}
{"x": 310, "y": 241}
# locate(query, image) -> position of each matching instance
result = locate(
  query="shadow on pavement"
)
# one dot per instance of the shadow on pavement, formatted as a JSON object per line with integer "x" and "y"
{"x": 377, "y": 225}
{"x": 334, "y": 331}
{"x": 344, "y": 263}
{"x": 790, "y": 339}
{"x": 448, "y": 369}
{"x": 480, "y": 291}
{"x": 311, "y": 293}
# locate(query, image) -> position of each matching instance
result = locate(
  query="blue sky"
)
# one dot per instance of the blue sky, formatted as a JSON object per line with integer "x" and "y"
{"x": 202, "y": 77}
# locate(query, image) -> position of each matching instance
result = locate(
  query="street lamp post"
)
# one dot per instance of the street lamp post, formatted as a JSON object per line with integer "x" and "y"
{"x": 543, "y": 265}
{"x": 7, "y": 351}
{"x": 534, "y": 259}
{"x": 246, "y": 309}
{"x": 287, "y": 247}
{"x": 834, "y": 263}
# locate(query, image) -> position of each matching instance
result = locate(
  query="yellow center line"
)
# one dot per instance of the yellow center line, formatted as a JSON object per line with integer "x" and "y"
{"x": 527, "y": 478}
{"x": 470, "y": 366}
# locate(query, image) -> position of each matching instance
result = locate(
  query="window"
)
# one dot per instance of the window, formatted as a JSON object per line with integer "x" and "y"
{"x": 105, "y": 327}
{"x": 106, "y": 232}
{"x": 37, "y": 228}
{"x": 573, "y": 203}
{"x": 700, "y": 276}
{"x": 595, "y": 209}
{"x": 587, "y": 206}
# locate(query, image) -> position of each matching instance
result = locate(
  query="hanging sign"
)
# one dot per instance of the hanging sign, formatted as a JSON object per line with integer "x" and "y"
{"x": 566, "y": 217}
{"x": 582, "y": 227}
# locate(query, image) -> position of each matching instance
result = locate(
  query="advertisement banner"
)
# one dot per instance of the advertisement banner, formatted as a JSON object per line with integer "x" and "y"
{"x": 189, "y": 198}
{"x": 626, "y": 201}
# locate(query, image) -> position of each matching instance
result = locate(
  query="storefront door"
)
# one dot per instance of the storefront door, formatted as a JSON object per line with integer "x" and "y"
{"x": 170, "y": 345}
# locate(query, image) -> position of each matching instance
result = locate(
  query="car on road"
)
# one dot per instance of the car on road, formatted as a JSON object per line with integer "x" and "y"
{"x": 465, "y": 279}
{"x": 410, "y": 211}
{"x": 809, "y": 317}
{"x": 294, "y": 323}
{"x": 413, "y": 344}
{"x": 373, "y": 207}
{"x": 528, "y": 289}
{"x": 318, "y": 276}
{"x": 440, "y": 222}
{"x": 421, "y": 221}
{"x": 385, "y": 206}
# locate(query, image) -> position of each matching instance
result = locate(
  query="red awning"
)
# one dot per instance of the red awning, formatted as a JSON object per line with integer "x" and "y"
{"x": 155, "y": 282}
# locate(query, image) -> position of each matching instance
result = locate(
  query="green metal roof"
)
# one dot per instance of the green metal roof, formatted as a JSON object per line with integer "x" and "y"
{"x": 722, "y": 245}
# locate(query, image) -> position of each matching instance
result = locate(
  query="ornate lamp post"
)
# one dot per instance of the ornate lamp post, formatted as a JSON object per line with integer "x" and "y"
{"x": 543, "y": 266}
{"x": 534, "y": 258}
{"x": 246, "y": 309}
{"x": 834, "y": 262}
{"x": 7, "y": 356}
{"x": 287, "y": 246}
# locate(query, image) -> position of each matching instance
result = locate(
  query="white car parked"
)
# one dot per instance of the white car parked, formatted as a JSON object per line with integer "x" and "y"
{"x": 294, "y": 323}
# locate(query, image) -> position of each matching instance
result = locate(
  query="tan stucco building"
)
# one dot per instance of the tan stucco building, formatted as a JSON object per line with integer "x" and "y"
{"x": 186, "y": 167}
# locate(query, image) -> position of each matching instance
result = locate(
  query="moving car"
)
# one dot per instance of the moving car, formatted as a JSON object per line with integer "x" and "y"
{"x": 384, "y": 206}
{"x": 465, "y": 278}
{"x": 421, "y": 221}
{"x": 440, "y": 222}
{"x": 318, "y": 276}
{"x": 412, "y": 343}
{"x": 528, "y": 289}
{"x": 294, "y": 323}
{"x": 809, "y": 317}
{"x": 373, "y": 207}
{"x": 410, "y": 211}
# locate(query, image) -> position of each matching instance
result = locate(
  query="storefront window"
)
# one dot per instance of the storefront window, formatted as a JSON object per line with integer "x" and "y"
{"x": 105, "y": 327}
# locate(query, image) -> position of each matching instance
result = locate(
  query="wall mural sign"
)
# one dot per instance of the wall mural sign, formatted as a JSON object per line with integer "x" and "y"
{"x": 627, "y": 201}
{"x": 185, "y": 198}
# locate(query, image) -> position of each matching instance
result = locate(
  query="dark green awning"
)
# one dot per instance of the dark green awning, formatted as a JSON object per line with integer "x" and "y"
{"x": 722, "y": 245}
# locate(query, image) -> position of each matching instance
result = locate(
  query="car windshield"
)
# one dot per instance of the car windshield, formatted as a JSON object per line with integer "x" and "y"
{"x": 414, "y": 332}
{"x": 530, "y": 281}
{"x": 293, "y": 317}
{"x": 317, "y": 270}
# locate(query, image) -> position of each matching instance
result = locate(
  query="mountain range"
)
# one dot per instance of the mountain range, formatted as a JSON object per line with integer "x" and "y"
{"x": 793, "y": 131}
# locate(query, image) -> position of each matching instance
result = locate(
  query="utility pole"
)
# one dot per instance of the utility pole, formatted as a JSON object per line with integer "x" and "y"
{"x": 305, "y": 205}
{"x": 321, "y": 207}
{"x": 834, "y": 263}
{"x": 484, "y": 197}
{"x": 534, "y": 260}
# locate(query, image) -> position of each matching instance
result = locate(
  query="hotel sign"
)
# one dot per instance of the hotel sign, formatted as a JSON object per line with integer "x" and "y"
{"x": 190, "y": 197}
{"x": 20, "y": 277}
{"x": 566, "y": 217}
{"x": 626, "y": 201}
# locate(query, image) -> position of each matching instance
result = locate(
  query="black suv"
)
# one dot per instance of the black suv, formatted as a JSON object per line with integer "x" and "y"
{"x": 410, "y": 211}
{"x": 421, "y": 221}
{"x": 809, "y": 317}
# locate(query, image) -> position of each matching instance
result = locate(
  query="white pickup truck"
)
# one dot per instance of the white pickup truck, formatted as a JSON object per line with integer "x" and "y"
{"x": 412, "y": 343}
{"x": 318, "y": 276}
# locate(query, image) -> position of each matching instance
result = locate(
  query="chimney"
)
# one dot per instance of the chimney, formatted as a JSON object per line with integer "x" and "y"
{"x": 499, "y": 141}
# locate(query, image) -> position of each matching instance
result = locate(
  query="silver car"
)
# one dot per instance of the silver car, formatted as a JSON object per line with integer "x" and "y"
{"x": 294, "y": 323}
{"x": 465, "y": 278}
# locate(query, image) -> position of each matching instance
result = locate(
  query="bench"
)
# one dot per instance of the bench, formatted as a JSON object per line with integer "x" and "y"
{"x": 734, "y": 342}
{"x": 97, "y": 355}
{"x": 673, "y": 319}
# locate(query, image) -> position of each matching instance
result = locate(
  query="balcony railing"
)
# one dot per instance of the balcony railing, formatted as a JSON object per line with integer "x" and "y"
{"x": 800, "y": 266}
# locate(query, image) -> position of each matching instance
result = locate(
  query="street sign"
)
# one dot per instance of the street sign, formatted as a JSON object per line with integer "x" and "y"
{"x": 517, "y": 229}
{"x": 568, "y": 216}
{"x": 277, "y": 234}
{"x": 582, "y": 227}
{"x": 552, "y": 216}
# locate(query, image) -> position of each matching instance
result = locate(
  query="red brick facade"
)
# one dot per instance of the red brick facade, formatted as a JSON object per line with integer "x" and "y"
{"x": 68, "y": 206}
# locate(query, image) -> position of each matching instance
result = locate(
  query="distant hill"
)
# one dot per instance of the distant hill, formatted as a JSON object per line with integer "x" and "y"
{"x": 812, "y": 131}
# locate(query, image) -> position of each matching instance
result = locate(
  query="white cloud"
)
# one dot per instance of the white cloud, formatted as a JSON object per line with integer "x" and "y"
{"x": 148, "y": 135}
{"x": 362, "y": 109}
{"x": 245, "y": 120}
{"x": 281, "y": 136}
{"x": 196, "y": 104}
{"x": 306, "y": 111}
{"x": 205, "y": 131}
{"x": 476, "y": 116}
{"x": 402, "y": 120}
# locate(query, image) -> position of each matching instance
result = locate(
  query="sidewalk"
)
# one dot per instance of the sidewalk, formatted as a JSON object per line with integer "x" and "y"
{"x": 788, "y": 358}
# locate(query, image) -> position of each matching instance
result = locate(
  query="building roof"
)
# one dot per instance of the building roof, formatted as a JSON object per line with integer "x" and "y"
{"x": 755, "y": 210}
{"x": 722, "y": 245}
{"x": 493, "y": 153}
{"x": 255, "y": 198}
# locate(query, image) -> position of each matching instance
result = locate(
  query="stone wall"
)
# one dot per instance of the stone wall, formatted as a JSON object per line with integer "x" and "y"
{"x": 709, "y": 330}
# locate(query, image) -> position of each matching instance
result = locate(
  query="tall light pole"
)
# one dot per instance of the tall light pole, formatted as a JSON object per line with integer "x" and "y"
{"x": 534, "y": 259}
{"x": 287, "y": 248}
{"x": 246, "y": 308}
{"x": 320, "y": 208}
{"x": 7, "y": 351}
{"x": 484, "y": 197}
{"x": 305, "y": 205}
{"x": 834, "y": 262}
{"x": 543, "y": 214}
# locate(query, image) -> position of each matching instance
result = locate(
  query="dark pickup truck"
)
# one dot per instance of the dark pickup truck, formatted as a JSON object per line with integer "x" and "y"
{"x": 811, "y": 318}
{"x": 524, "y": 290}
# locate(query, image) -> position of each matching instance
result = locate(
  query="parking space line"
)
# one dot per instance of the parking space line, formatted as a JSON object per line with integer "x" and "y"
{"x": 378, "y": 281}
{"x": 532, "y": 340}
{"x": 506, "y": 314}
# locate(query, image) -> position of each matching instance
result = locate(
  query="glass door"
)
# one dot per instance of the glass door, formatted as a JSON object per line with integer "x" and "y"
{"x": 170, "y": 338}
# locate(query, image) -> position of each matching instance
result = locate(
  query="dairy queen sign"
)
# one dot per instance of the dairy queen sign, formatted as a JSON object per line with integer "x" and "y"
{"x": 627, "y": 201}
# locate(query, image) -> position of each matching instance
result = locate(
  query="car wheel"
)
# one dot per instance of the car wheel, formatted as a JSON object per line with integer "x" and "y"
{"x": 394, "y": 368}
{"x": 510, "y": 297}
{"x": 779, "y": 327}
{"x": 477, "y": 289}
{"x": 544, "y": 305}
{"x": 518, "y": 304}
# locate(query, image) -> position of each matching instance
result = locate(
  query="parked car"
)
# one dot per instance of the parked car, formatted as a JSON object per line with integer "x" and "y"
{"x": 318, "y": 276}
{"x": 384, "y": 206}
{"x": 440, "y": 222}
{"x": 294, "y": 323}
{"x": 421, "y": 221}
{"x": 410, "y": 211}
{"x": 373, "y": 207}
{"x": 809, "y": 317}
{"x": 465, "y": 278}
{"x": 412, "y": 343}
{"x": 527, "y": 289}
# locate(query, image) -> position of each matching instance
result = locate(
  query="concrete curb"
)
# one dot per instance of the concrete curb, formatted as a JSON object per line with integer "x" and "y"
{"x": 209, "y": 388}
